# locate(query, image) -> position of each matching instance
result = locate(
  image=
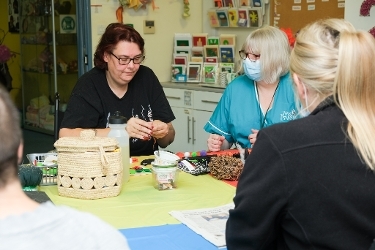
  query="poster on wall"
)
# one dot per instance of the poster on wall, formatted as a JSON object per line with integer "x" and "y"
{"x": 13, "y": 16}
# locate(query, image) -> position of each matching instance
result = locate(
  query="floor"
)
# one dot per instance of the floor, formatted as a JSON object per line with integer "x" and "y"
{"x": 36, "y": 142}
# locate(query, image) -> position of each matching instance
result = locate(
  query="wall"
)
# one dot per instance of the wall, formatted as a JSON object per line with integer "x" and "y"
{"x": 352, "y": 8}
{"x": 168, "y": 20}
{"x": 12, "y": 41}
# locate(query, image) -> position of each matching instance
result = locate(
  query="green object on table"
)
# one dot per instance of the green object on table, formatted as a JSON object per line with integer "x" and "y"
{"x": 30, "y": 176}
{"x": 30, "y": 188}
{"x": 49, "y": 171}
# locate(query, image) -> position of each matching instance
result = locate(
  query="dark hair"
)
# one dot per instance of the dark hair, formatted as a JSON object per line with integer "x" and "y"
{"x": 114, "y": 33}
{"x": 10, "y": 137}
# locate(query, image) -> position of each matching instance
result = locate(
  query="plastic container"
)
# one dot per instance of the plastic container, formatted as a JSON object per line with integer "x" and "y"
{"x": 117, "y": 123}
{"x": 46, "y": 162}
{"x": 165, "y": 177}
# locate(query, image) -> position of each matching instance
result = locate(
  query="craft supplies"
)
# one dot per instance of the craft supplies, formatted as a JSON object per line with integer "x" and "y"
{"x": 225, "y": 167}
{"x": 165, "y": 177}
{"x": 164, "y": 170}
{"x": 47, "y": 163}
{"x": 30, "y": 177}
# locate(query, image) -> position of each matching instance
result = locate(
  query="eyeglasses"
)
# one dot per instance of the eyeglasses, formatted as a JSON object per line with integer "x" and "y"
{"x": 251, "y": 56}
{"x": 126, "y": 60}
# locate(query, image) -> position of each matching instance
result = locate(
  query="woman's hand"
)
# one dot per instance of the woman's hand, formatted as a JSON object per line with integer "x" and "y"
{"x": 253, "y": 136}
{"x": 159, "y": 129}
{"x": 215, "y": 142}
{"x": 138, "y": 128}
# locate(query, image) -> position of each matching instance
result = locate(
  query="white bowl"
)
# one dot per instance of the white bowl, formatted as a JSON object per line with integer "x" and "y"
{"x": 164, "y": 158}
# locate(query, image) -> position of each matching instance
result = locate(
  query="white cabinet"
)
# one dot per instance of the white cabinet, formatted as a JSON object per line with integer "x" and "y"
{"x": 192, "y": 109}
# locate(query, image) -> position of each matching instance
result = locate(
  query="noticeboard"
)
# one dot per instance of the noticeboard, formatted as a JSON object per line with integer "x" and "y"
{"x": 295, "y": 14}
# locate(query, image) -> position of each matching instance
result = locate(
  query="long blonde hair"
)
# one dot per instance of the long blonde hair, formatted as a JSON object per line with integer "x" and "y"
{"x": 332, "y": 58}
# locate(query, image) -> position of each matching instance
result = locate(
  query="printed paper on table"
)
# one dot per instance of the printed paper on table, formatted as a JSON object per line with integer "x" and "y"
{"x": 210, "y": 222}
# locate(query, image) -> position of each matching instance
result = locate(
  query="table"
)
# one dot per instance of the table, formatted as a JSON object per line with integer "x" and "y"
{"x": 144, "y": 210}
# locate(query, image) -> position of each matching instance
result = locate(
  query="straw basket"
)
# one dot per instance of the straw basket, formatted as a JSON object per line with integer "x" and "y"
{"x": 90, "y": 167}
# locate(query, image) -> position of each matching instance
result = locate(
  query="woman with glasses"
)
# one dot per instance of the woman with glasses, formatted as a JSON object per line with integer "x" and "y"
{"x": 119, "y": 82}
{"x": 310, "y": 183}
{"x": 261, "y": 97}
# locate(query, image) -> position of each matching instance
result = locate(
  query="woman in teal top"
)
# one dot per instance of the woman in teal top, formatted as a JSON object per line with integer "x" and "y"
{"x": 261, "y": 97}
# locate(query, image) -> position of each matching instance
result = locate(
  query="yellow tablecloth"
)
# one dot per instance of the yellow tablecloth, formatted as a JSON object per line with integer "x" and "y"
{"x": 140, "y": 204}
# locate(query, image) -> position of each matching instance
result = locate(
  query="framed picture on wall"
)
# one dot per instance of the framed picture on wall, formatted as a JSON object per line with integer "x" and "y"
{"x": 13, "y": 16}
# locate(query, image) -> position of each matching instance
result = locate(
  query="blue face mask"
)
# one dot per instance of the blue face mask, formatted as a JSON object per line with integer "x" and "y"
{"x": 252, "y": 69}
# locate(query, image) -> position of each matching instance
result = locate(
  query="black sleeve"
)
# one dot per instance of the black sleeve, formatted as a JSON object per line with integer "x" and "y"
{"x": 84, "y": 109}
{"x": 260, "y": 199}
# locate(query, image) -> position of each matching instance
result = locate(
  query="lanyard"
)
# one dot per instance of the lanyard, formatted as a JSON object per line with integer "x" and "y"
{"x": 269, "y": 106}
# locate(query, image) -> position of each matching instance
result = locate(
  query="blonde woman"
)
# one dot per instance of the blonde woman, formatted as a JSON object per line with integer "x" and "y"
{"x": 310, "y": 183}
{"x": 261, "y": 97}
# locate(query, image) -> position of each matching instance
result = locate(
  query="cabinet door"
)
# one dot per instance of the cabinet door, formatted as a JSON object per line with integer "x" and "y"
{"x": 183, "y": 127}
{"x": 200, "y": 136}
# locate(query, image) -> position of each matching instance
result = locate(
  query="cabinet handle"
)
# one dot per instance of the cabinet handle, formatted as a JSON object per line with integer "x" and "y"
{"x": 193, "y": 124}
{"x": 188, "y": 130}
{"x": 173, "y": 97}
{"x": 207, "y": 101}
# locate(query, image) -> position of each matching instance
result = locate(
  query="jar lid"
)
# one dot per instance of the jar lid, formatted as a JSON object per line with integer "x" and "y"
{"x": 117, "y": 118}
{"x": 87, "y": 141}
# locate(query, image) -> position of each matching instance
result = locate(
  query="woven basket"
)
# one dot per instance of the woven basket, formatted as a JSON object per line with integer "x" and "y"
{"x": 90, "y": 167}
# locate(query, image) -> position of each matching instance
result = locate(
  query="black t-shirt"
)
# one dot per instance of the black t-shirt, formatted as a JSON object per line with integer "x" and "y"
{"x": 92, "y": 102}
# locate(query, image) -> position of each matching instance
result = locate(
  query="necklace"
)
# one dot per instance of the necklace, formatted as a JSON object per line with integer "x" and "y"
{"x": 262, "y": 122}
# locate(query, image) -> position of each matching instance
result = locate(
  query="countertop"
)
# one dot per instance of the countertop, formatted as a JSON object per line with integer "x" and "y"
{"x": 194, "y": 86}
